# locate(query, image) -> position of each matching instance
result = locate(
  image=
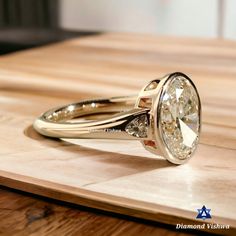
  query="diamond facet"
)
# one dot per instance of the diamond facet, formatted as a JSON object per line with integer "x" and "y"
{"x": 138, "y": 127}
{"x": 179, "y": 120}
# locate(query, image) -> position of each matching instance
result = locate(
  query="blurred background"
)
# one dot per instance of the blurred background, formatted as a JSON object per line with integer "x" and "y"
{"x": 27, "y": 23}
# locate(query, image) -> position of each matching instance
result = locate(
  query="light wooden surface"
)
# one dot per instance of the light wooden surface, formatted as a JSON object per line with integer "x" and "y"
{"x": 120, "y": 176}
{"x": 24, "y": 214}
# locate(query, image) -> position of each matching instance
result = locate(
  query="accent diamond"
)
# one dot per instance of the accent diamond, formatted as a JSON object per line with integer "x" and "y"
{"x": 138, "y": 127}
{"x": 179, "y": 117}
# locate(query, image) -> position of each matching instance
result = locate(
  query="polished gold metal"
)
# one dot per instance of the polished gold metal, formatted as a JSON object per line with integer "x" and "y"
{"x": 135, "y": 118}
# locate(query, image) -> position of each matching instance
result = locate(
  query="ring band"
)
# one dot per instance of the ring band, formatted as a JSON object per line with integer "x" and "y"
{"x": 165, "y": 117}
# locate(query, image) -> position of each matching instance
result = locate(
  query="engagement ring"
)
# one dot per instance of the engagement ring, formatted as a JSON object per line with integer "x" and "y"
{"x": 165, "y": 117}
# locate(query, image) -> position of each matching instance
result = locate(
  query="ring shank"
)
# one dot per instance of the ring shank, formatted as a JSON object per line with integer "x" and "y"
{"x": 68, "y": 121}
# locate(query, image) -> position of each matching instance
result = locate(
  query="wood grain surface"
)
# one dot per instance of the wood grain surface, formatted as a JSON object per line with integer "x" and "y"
{"x": 25, "y": 214}
{"x": 111, "y": 175}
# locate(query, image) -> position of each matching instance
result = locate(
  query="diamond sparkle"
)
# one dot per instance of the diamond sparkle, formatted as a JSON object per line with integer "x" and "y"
{"x": 138, "y": 127}
{"x": 180, "y": 117}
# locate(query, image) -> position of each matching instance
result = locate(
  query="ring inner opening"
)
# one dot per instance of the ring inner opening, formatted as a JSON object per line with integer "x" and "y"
{"x": 90, "y": 110}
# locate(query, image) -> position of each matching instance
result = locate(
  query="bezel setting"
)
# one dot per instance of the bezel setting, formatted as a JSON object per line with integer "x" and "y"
{"x": 157, "y": 143}
{"x": 165, "y": 118}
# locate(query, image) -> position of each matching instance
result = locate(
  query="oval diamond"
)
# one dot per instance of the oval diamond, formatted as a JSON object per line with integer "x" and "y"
{"x": 179, "y": 121}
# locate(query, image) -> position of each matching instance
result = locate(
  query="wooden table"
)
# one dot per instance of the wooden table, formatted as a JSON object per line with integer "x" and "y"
{"x": 26, "y": 214}
{"x": 105, "y": 175}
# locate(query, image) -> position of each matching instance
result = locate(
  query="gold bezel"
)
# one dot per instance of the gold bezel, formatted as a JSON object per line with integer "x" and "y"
{"x": 156, "y": 113}
{"x": 154, "y": 97}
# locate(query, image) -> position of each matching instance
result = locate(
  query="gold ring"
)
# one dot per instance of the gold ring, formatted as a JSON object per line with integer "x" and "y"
{"x": 165, "y": 117}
